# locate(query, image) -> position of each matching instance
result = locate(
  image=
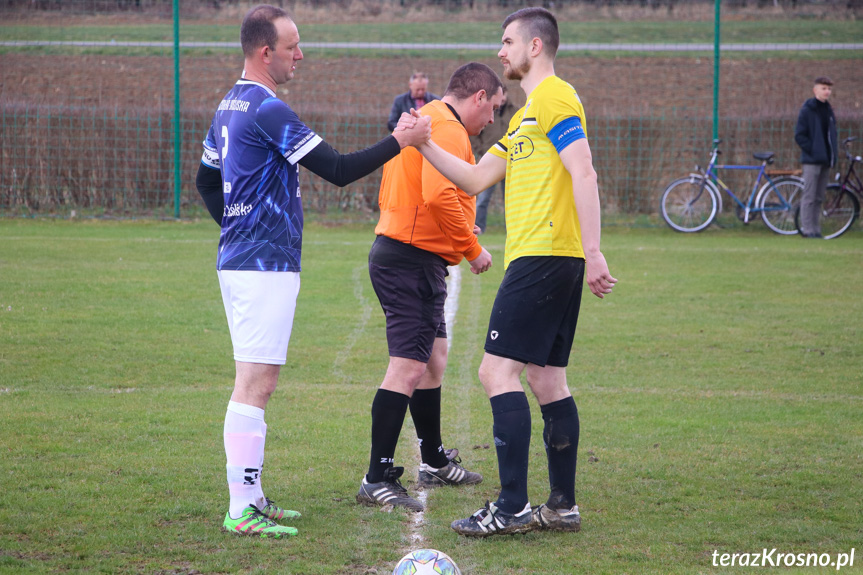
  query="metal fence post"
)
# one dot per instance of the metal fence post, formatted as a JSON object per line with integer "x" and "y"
{"x": 717, "y": 20}
{"x": 177, "y": 131}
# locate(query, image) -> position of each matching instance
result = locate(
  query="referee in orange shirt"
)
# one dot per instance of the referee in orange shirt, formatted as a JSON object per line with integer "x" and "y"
{"x": 426, "y": 223}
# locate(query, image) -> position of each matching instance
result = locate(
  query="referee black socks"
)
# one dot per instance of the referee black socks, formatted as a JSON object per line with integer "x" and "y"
{"x": 388, "y": 416}
{"x": 425, "y": 411}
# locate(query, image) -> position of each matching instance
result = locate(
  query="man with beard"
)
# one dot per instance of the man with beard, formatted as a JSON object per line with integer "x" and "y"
{"x": 553, "y": 237}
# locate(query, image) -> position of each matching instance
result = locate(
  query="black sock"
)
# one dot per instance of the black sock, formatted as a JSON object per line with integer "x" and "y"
{"x": 388, "y": 415}
{"x": 425, "y": 411}
{"x": 561, "y": 447}
{"x": 511, "y": 413}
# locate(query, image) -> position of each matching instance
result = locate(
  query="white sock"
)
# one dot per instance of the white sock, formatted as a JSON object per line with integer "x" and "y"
{"x": 260, "y": 493}
{"x": 245, "y": 435}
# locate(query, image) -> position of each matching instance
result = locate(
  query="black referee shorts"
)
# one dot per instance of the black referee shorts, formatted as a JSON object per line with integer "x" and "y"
{"x": 536, "y": 310}
{"x": 411, "y": 286}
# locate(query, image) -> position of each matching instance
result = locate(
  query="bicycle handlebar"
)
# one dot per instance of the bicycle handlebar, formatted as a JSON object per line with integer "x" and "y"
{"x": 846, "y": 143}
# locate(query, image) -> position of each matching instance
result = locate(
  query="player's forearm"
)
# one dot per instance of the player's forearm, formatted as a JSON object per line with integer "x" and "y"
{"x": 446, "y": 210}
{"x": 343, "y": 169}
{"x": 586, "y": 196}
{"x": 456, "y": 170}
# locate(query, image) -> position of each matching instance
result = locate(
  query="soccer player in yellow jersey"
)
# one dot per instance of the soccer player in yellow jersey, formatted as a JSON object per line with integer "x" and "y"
{"x": 552, "y": 246}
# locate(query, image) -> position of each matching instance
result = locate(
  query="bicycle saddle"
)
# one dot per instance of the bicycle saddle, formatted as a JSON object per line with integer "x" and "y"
{"x": 764, "y": 156}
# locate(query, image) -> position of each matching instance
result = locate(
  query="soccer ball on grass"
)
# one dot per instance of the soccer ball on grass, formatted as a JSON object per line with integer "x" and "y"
{"x": 426, "y": 562}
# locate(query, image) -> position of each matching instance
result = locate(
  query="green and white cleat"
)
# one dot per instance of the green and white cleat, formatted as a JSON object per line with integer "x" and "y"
{"x": 276, "y": 513}
{"x": 253, "y": 523}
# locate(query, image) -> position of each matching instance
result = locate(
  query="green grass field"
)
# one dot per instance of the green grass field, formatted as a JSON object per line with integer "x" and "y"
{"x": 719, "y": 388}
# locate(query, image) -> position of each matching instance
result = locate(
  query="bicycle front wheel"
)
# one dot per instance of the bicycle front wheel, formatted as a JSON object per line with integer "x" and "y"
{"x": 689, "y": 204}
{"x": 838, "y": 212}
{"x": 777, "y": 203}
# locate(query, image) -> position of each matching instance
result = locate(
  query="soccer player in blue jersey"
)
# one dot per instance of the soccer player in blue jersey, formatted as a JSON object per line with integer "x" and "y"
{"x": 552, "y": 247}
{"x": 249, "y": 181}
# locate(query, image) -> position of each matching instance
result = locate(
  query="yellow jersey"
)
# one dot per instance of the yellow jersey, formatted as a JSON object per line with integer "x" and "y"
{"x": 541, "y": 219}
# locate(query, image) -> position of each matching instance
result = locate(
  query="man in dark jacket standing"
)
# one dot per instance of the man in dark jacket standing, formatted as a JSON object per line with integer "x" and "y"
{"x": 816, "y": 134}
{"x": 416, "y": 97}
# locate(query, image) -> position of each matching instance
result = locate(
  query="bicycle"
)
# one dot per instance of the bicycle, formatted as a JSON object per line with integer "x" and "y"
{"x": 841, "y": 205}
{"x": 691, "y": 203}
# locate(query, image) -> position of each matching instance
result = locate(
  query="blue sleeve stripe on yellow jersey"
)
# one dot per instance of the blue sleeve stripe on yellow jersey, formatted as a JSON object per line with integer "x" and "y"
{"x": 566, "y": 132}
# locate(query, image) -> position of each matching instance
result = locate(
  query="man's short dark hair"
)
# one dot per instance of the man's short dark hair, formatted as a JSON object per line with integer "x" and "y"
{"x": 537, "y": 23}
{"x": 824, "y": 80}
{"x": 258, "y": 29}
{"x": 470, "y": 79}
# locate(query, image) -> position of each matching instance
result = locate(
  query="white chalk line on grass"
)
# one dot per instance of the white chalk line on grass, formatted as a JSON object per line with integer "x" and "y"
{"x": 450, "y": 309}
{"x": 359, "y": 328}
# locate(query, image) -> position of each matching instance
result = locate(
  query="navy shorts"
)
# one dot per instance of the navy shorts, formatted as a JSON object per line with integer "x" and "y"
{"x": 411, "y": 286}
{"x": 536, "y": 310}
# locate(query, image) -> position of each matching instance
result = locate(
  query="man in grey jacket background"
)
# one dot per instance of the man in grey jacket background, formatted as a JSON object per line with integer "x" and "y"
{"x": 416, "y": 97}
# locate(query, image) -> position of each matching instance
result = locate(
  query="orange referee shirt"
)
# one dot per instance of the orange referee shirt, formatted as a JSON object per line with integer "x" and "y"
{"x": 422, "y": 208}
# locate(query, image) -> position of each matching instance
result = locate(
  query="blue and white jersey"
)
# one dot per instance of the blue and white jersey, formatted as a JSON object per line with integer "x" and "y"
{"x": 256, "y": 141}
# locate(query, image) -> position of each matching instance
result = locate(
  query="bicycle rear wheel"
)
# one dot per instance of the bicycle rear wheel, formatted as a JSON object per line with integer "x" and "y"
{"x": 838, "y": 212}
{"x": 777, "y": 201}
{"x": 689, "y": 204}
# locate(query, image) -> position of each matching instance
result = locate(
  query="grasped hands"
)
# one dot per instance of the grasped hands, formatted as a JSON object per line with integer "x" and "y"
{"x": 413, "y": 129}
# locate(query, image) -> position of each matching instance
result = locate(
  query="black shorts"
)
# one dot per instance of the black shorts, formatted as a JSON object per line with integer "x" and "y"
{"x": 536, "y": 310}
{"x": 411, "y": 285}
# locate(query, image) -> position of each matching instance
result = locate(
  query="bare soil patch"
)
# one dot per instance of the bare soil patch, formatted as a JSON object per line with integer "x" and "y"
{"x": 95, "y": 131}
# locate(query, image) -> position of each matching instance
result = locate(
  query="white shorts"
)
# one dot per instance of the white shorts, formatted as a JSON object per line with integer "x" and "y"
{"x": 260, "y": 309}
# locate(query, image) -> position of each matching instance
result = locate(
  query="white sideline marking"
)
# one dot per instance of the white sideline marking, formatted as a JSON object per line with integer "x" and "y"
{"x": 450, "y": 309}
{"x": 359, "y": 328}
